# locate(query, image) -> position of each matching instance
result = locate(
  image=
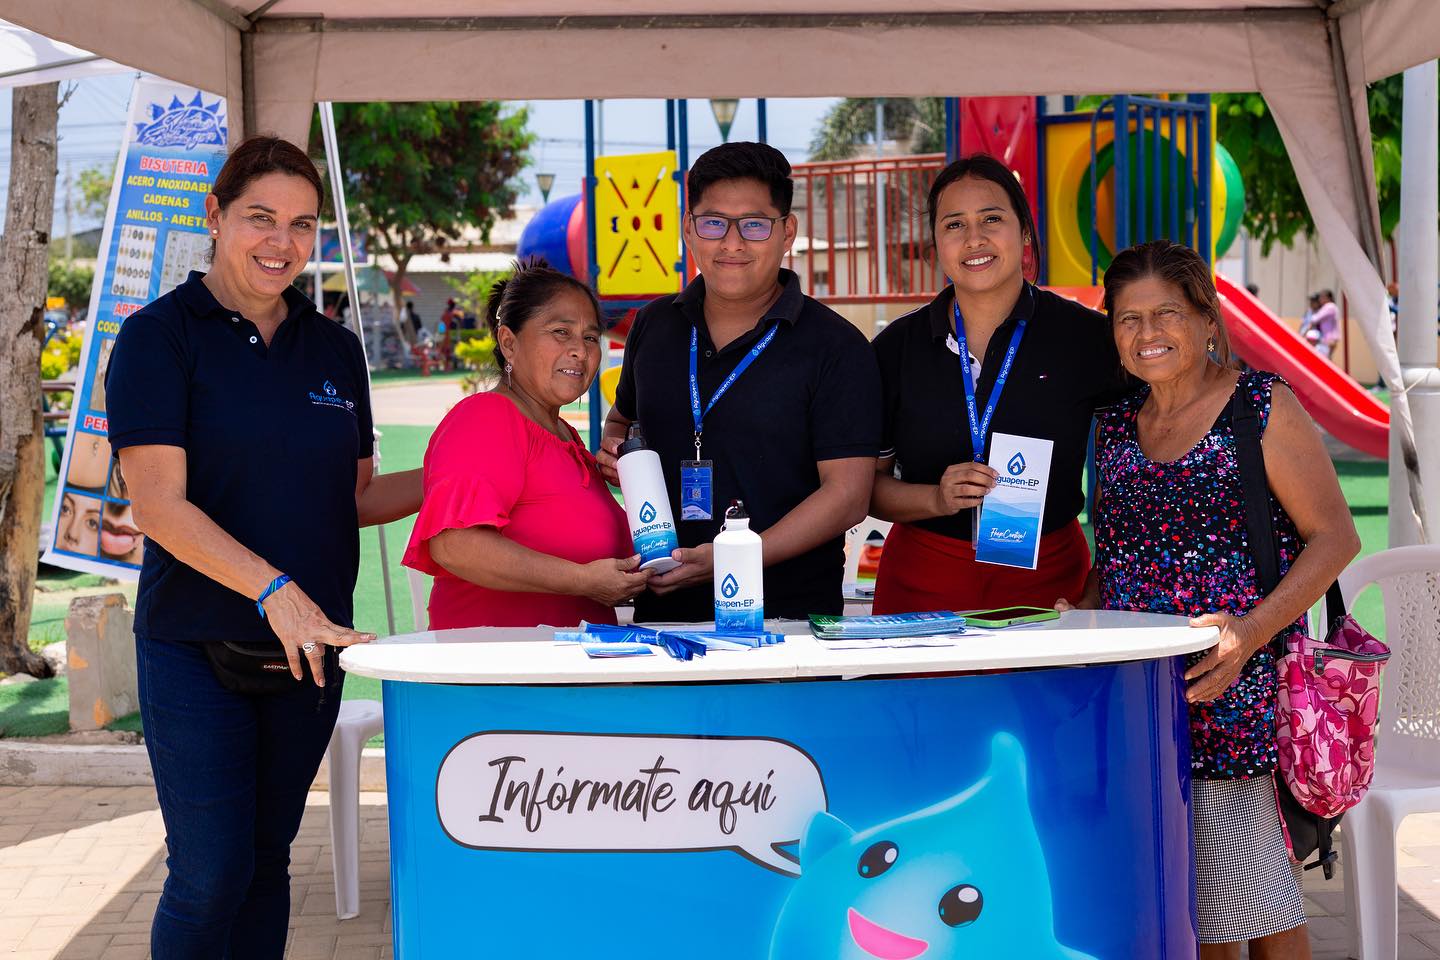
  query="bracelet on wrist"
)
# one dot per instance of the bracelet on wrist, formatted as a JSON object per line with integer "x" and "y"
{"x": 275, "y": 585}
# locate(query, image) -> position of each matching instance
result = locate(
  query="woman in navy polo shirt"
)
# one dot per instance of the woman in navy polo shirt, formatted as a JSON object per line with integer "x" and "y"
{"x": 241, "y": 417}
{"x": 1061, "y": 365}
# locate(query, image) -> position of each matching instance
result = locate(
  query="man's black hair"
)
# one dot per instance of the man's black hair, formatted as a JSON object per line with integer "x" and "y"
{"x": 743, "y": 161}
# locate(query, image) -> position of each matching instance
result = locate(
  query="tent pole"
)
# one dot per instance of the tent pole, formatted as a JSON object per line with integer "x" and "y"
{"x": 247, "y": 82}
{"x": 342, "y": 223}
{"x": 1418, "y": 249}
{"x": 1358, "y": 186}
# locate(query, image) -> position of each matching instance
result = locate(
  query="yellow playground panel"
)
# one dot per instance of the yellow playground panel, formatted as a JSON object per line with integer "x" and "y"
{"x": 1068, "y": 176}
{"x": 637, "y": 224}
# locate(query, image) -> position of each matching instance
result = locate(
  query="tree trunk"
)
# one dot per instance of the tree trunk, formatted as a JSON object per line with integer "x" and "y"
{"x": 407, "y": 336}
{"x": 34, "y": 116}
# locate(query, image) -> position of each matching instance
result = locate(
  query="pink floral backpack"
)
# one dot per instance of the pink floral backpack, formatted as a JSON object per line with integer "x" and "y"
{"x": 1328, "y": 699}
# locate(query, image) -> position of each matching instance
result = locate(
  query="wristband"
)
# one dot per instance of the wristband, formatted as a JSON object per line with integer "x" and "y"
{"x": 275, "y": 584}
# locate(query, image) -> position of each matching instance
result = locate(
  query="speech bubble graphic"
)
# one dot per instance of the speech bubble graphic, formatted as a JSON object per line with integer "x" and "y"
{"x": 616, "y": 793}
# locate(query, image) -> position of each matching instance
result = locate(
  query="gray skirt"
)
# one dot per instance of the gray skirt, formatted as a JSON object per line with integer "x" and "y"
{"x": 1246, "y": 886}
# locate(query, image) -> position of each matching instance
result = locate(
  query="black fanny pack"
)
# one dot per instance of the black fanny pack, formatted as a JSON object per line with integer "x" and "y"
{"x": 260, "y": 669}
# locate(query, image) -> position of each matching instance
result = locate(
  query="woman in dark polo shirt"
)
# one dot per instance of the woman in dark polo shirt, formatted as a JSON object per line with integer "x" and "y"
{"x": 1062, "y": 366}
{"x": 242, "y": 421}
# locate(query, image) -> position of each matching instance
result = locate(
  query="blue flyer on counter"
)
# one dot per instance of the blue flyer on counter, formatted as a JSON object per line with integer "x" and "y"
{"x": 1008, "y": 532}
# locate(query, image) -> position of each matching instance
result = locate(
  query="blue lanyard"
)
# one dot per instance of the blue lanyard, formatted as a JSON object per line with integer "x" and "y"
{"x": 980, "y": 426}
{"x": 695, "y": 412}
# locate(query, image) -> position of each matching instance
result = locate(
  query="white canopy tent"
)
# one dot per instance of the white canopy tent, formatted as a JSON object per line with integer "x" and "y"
{"x": 1311, "y": 59}
{"x": 27, "y": 58}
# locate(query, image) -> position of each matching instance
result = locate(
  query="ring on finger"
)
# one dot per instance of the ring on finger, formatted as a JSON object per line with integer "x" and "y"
{"x": 308, "y": 646}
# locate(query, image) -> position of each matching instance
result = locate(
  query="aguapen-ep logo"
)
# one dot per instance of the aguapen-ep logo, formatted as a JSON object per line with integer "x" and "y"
{"x": 647, "y": 512}
{"x": 728, "y": 586}
{"x": 330, "y": 397}
{"x": 1016, "y": 467}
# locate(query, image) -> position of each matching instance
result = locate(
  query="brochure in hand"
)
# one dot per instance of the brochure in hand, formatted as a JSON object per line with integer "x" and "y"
{"x": 887, "y": 627}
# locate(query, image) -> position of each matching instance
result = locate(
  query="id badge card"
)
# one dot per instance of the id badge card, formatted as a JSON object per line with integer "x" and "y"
{"x": 696, "y": 485}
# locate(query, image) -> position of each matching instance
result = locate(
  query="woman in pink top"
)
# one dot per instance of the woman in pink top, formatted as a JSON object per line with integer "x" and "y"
{"x": 517, "y": 527}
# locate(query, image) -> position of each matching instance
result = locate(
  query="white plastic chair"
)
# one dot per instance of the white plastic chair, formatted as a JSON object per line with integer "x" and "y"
{"x": 1407, "y": 749}
{"x": 856, "y": 539}
{"x": 359, "y": 720}
{"x": 419, "y": 598}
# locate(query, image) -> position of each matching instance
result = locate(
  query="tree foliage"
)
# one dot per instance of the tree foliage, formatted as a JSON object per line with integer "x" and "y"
{"x": 94, "y": 184}
{"x": 71, "y": 284}
{"x": 418, "y": 175}
{"x": 917, "y": 122}
{"x": 1275, "y": 210}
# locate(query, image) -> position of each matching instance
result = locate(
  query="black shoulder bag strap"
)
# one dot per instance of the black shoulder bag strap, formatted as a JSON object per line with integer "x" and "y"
{"x": 1259, "y": 524}
{"x": 1308, "y": 833}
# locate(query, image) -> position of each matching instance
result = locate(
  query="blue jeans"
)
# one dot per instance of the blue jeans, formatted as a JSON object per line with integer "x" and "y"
{"x": 231, "y": 772}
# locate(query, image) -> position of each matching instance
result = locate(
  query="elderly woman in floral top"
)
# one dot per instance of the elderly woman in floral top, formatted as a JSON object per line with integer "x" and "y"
{"x": 1170, "y": 537}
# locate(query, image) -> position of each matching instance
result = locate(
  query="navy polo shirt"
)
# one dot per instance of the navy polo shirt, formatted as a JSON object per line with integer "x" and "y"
{"x": 271, "y": 438}
{"x": 1066, "y": 369}
{"x": 812, "y": 395}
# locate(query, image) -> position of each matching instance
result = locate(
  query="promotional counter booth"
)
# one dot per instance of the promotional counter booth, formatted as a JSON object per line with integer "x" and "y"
{"x": 1016, "y": 793}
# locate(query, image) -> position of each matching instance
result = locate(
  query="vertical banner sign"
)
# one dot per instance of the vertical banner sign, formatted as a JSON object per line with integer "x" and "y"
{"x": 154, "y": 236}
{"x": 637, "y": 224}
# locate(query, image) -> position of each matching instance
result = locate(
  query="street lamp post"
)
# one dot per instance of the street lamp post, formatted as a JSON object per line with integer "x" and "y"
{"x": 545, "y": 181}
{"x": 724, "y": 110}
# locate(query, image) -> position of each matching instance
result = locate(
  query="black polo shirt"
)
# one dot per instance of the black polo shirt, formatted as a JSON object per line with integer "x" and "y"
{"x": 271, "y": 438}
{"x": 1065, "y": 369}
{"x": 812, "y": 395}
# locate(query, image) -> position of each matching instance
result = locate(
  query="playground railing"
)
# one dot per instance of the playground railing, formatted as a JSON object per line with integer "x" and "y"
{"x": 835, "y": 251}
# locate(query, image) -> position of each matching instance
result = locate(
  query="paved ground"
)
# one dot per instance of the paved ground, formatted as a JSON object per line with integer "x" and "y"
{"x": 81, "y": 869}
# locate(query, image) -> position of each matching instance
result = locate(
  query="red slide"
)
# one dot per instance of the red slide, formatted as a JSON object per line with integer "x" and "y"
{"x": 1337, "y": 402}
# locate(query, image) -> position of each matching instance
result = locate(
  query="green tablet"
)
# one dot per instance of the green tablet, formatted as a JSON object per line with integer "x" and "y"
{"x": 1009, "y": 616}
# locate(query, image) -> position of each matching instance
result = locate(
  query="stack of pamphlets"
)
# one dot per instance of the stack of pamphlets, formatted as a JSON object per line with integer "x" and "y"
{"x": 936, "y": 627}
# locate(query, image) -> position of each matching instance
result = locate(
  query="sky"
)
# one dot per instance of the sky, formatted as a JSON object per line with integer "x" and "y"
{"x": 92, "y": 123}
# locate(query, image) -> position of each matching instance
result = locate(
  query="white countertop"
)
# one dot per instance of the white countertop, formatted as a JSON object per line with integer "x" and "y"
{"x": 500, "y": 655}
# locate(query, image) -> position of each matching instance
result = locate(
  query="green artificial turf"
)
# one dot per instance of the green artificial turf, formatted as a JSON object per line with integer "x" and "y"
{"x": 410, "y": 376}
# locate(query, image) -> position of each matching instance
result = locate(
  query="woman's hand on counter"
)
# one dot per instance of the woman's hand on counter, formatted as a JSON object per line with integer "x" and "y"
{"x": 297, "y": 621}
{"x": 963, "y": 486}
{"x": 697, "y": 565}
{"x": 1213, "y": 675}
{"x": 613, "y": 582}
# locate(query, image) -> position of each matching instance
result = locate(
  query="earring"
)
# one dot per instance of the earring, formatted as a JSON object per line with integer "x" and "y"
{"x": 1210, "y": 345}
{"x": 214, "y": 233}
{"x": 508, "y": 368}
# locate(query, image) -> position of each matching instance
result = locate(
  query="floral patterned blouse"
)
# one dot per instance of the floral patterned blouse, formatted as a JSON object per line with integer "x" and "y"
{"x": 1171, "y": 538}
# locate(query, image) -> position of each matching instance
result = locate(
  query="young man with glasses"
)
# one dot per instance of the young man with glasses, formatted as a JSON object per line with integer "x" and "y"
{"x": 750, "y": 390}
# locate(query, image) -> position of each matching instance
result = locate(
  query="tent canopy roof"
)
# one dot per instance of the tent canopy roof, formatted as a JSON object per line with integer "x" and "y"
{"x": 303, "y": 50}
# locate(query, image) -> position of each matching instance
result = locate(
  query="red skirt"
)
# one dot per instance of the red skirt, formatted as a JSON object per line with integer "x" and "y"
{"x": 921, "y": 570}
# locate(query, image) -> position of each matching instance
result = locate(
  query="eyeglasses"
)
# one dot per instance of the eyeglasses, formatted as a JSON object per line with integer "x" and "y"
{"x": 713, "y": 226}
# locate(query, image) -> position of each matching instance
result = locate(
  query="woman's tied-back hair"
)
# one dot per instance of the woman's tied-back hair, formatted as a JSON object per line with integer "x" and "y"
{"x": 531, "y": 284}
{"x": 1176, "y": 264}
{"x": 254, "y": 158}
{"x": 982, "y": 166}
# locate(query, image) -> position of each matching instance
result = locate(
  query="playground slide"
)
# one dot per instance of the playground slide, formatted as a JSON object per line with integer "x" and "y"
{"x": 1337, "y": 402}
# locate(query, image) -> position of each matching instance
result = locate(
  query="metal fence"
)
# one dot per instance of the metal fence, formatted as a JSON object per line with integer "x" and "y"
{"x": 836, "y": 252}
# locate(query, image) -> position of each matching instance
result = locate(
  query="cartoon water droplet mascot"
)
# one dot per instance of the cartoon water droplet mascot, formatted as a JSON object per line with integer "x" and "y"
{"x": 965, "y": 878}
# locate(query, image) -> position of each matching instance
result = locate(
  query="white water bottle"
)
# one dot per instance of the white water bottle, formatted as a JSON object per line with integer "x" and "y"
{"x": 739, "y": 574}
{"x": 647, "y": 503}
